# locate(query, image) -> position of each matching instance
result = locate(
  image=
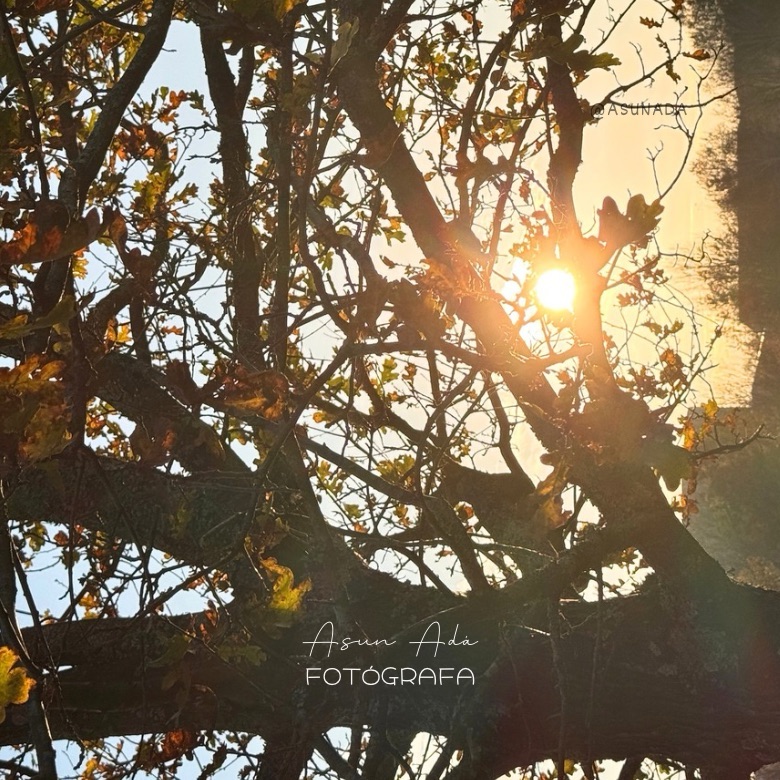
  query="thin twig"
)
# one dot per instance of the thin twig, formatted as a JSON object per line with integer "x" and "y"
{"x": 35, "y": 125}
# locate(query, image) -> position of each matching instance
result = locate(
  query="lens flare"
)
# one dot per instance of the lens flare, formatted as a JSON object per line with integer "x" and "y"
{"x": 555, "y": 290}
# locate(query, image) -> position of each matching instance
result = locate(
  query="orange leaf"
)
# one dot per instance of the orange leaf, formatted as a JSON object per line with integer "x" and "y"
{"x": 50, "y": 234}
{"x": 699, "y": 54}
{"x": 262, "y": 392}
{"x": 176, "y": 743}
{"x": 140, "y": 266}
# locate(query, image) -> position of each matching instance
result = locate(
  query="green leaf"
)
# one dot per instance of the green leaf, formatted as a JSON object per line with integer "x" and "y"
{"x": 584, "y": 60}
{"x": 670, "y": 462}
{"x": 568, "y": 53}
{"x": 396, "y": 470}
{"x": 344, "y": 36}
{"x": 19, "y": 327}
{"x": 233, "y": 652}
{"x": 174, "y": 651}
{"x": 389, "y": 372}
{"x": 353, "y": 511}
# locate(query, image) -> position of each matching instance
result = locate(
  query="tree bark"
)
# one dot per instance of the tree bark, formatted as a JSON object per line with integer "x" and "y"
{"x": 636, "y": 678}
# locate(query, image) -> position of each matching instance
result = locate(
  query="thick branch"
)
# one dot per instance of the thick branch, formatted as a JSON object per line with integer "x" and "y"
{"x": 195, "y": 521}
{"x": 567, "y": 157}
{"x": 136, "y": 390}
{"x": 511, "y": 713}
{"x": 248, "y": 262}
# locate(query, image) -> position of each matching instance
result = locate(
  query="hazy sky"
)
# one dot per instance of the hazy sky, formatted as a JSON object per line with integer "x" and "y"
{"x": 616, "y": 162}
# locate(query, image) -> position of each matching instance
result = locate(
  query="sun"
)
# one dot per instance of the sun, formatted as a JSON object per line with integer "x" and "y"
{"x": 555, "y": 289}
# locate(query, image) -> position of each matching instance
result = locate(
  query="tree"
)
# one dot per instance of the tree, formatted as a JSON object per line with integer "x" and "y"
{"x": 288, "y": 399}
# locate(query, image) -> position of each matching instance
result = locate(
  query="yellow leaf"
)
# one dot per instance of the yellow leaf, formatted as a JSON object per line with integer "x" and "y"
{"x": 15, "y": 328}
{"x": 710, "y": 409}
{"x": 15, "y": 685}
{"x": 33, "y": 408}
{"x": 283, "y": 7}
{"x": 344, "y": 36}
{"x": 670, "y": 462}
{"x": 52, "y": 369}
{"x": 286, "y": 596}
{"x": 688, "y": 435}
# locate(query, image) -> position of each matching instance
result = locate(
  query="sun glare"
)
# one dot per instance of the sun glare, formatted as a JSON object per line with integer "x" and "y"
{"x": 555, "y": 289}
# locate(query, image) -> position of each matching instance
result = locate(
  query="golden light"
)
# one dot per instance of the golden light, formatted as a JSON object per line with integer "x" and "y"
{"x": 555, "y": 290}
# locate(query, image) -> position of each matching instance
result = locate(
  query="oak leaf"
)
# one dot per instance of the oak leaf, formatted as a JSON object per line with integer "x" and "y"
{"x": 15, "y": 684}
{"x": 286, "y": 596}
{"x": 263, "y": 393}
{"x": 50, "y": 234}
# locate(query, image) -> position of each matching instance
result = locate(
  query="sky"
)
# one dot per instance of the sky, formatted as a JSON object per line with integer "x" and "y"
{"x": 616, "y": 162}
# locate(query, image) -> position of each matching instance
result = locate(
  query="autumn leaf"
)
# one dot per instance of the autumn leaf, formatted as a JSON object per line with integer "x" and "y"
{"x": 177, "y": 743}
{"x": 283, "y": 7}
{"x": 16, "y": 250}
{"x": 182, "y": 383}
{"x": 140, "y": 266}
{"x": 518, "y": 9}
{"x": 286, "y": 597}
{"x": 153, "y": 447}
{"x": 263, "y": 12}
{"x": 50, "y": 234}
{"x": 689, "y": 435}
{"x": 419, "y": 308}
{"x": 15, "y": 684}
{"x": 549, "y": 513}
{"x": 263, "y": 393}
{"x": 32, "y": 8}
{"x": 698, "y": 54}
{"x": 10, "y": 125}
{"x": 710, "y": 409}
{"x": 33, "y": 411}
{"x": 633, "y": 227}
